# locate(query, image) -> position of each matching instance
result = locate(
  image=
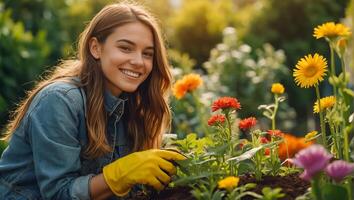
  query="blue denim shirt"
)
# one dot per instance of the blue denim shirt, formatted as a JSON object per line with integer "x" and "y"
{"x": 44, "y": 159}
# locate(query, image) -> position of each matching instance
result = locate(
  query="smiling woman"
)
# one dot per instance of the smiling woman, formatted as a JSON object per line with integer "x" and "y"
{"x": 126, "y": 55}
{"x": 92, "y": 128}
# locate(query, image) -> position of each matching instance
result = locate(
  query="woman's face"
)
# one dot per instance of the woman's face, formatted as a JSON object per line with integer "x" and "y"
{"x": 126, "y": 57}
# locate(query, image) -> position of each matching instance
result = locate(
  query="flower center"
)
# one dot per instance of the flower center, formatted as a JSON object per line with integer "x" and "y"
{"x": 310, "y": 71}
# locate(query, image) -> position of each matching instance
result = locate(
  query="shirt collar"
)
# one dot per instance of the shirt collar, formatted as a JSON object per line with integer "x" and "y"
{"x": 112, "y": 102}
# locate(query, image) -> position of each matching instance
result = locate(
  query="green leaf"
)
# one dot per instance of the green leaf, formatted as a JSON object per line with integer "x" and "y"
{"x": 331, "y": 191}
{"x": 348, "y": 92}
{"x": 245, "y": 166}
{"x": 247, "y": 155}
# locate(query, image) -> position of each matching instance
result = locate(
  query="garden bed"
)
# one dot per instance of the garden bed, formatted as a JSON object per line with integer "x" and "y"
{"x": 292, "y": 186}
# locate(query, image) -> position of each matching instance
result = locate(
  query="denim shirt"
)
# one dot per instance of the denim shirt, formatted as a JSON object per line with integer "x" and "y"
{"x": 44, "y": 159}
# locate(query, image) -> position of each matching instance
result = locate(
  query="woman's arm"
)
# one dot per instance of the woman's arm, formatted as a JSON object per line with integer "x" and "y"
{"x": 99, "y": 188}
{"x": 53, "y": 133}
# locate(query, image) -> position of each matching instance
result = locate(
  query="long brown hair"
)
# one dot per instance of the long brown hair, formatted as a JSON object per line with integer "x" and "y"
{"x": 147, "y": 113}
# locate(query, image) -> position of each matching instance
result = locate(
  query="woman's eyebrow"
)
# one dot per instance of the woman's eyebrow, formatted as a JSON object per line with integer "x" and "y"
{"x": 132, "y": 43}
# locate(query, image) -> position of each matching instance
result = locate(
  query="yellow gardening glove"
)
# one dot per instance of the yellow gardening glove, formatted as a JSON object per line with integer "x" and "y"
{"x": 152, "y": 167}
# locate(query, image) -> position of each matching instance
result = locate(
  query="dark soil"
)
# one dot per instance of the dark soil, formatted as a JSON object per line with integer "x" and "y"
{"x": 291, "y": 185}
{"x": 178, "y": 193}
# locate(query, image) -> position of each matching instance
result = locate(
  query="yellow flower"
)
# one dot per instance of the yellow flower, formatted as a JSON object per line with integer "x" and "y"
{"x": 277, "y": 88}
{"x": 310, "y": 135}
{"x": 331, "y": 30}
{"x": 228, "y": 182}
{"x": 326, "y": 102}
{"x": 310, "y": 70}
{"x": 188, "y": 83}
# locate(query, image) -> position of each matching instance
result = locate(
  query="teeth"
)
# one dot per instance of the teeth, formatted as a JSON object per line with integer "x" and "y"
{"x": 130, "y": 73}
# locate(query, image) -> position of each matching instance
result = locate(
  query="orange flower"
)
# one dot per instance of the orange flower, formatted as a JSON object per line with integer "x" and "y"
{"x": 216, "y": 119}
{"x": 179, "y": 89}
{"x": 294, "y": 145}
{"x": 277, "y": 88}
{"x": 275, "y": 133}
{"x": 188, "y": 83}
{"x": 247, "y": 123}
{"x": 225, "y": 103}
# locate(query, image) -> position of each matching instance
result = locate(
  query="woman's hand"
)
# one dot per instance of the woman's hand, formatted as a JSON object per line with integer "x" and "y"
{"x": 152, "y": 167}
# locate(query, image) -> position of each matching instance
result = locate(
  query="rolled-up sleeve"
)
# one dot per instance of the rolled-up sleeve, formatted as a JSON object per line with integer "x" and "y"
{"x": 53, "y": 134}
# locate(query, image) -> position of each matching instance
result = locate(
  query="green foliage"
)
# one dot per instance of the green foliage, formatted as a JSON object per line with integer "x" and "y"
{"x": 198, "y": 25}
{"x": 272, "y": 194}
{"x": 235, "y": 69}
{"x": 181, "y": 62}
{"x": 332, "y": 191}
{"x": 288, "y": 25}
{"x": 22, "y": 58}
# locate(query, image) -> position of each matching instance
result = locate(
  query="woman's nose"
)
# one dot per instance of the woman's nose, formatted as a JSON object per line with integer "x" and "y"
{"x": 137, "y": 59}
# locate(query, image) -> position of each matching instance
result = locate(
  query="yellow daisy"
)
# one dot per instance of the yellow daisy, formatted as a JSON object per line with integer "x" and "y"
{"x": 331, "y": 30}
{"x": 326, "y": 102}
{"x": 310, "y": 70}
{"x": 228, "y": 182}
{"x": 188, "y": 83}
{"x": 310, "y": 135}
{"x": 277, "y": 88}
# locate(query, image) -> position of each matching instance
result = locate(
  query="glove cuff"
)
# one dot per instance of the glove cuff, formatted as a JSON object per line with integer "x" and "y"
{"x": 109, "y": 174}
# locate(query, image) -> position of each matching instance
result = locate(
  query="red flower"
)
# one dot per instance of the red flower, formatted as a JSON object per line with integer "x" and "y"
{"x": 264, "y": 140}
{"x": 247, "y": 123}
{"x": 275, "y": 133}
{"x": 216, "y": 119}
{"x": 241, "y": 145}
{"x": 224, "y": 103}
{"x": 266, "y": 151}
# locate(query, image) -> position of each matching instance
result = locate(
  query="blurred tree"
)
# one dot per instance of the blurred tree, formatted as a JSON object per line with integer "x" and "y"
{"x": 48, "y": 15}
{"x": 289, "y": 25}
{"x": 22, "y": 58}
{"x": 198, "y": 26}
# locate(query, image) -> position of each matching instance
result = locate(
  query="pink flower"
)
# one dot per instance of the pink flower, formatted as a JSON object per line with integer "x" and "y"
{"x": 338, "y": 169}
{"x": 313, "y": 159}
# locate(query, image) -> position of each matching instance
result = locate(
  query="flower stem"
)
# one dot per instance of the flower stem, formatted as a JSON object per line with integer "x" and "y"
{"x": 316, "y": 191}
{"x": 322, "y": 124}
{"x": 336, "y": 141}
{"x": 275, "y": 111}
{"x": 227, "y": 116}
{"x": 343, "y": 70}
{"x": 333, "y": 69}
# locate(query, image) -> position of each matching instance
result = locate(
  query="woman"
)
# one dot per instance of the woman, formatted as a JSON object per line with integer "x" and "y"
{"x": 74, "y": 136}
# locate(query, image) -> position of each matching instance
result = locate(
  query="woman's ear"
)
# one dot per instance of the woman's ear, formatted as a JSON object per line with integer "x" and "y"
{"x": 95, "y": 48}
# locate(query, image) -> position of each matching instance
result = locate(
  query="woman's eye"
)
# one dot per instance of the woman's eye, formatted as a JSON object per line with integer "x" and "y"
{"x": 125, "y": 49}
{"x": 148, "y": 54}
